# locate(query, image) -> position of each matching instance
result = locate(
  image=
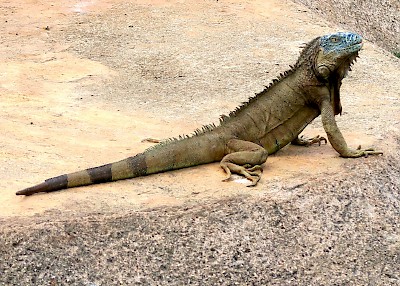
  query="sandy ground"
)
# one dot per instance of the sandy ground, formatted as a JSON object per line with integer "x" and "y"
{"x": 66, "y": 98}
{"x": 83, "y": 82}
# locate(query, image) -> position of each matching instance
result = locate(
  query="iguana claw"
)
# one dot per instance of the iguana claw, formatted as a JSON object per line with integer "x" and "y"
{"x": 317, "y": 139}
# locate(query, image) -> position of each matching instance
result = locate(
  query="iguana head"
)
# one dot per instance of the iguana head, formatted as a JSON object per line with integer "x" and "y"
{"x": 336, "y": 53}
{"x": 332, "y": 58}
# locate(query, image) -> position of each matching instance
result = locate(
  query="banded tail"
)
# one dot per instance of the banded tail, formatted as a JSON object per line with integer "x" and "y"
{"x": 175, "y": 154}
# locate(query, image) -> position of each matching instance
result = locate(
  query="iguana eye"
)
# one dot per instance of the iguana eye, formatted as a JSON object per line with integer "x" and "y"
{"x": 334, "y": 40}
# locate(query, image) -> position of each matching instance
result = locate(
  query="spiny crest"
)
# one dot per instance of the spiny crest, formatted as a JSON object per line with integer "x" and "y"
{"x": 309, "y": 50}
{"x": 204, "y": 129}
{"x": 235, "y": 112}
{"x": 197, "y": 132}
{"x": 224, "y": 118}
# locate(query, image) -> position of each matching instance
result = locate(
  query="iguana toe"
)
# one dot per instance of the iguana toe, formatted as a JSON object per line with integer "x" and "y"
{"x": 304, "y": 141}
{"x": 254, "y": 180}
{"x": 254, "y": 168}
{"x": 360, "y": 153}
{"x": 317, "y": 139}
{"x": 371, "y": 152}
{"x": 227, "y": 179}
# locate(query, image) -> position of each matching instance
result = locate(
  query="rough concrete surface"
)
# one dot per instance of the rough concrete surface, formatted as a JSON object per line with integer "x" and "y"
{"x": 376, "y": 20}
{"x": 83, "y": 82}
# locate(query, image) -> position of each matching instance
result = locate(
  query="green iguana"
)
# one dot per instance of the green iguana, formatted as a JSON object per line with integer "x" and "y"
{"x": 264, "y": 124}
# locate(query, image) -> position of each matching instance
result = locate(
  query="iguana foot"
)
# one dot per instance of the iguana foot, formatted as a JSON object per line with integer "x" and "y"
{"x": 360, "y": 153}
{"x": 244, "y": 158}
{"x": 303, "y": 141}
{"x": 252, "y": 173}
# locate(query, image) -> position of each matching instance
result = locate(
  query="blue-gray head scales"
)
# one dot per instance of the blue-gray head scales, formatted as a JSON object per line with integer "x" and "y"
{"x": 337, "y": 52}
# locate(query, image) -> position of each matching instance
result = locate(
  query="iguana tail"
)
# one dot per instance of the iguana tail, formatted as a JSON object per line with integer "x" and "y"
{"x": 175, "y": 154}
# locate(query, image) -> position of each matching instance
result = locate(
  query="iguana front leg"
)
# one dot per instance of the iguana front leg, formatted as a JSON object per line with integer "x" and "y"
{"x": 244, "y": 158}
{"x": 336, "y": 138}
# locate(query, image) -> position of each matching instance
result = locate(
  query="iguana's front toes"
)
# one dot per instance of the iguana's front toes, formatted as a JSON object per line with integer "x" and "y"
{"x": 368, "y": 152}
{"x": 323, "y": 139}
{"x": 361, "y": 152}
{"x": 317, "y": 139}
{"x": 304, "y": 141}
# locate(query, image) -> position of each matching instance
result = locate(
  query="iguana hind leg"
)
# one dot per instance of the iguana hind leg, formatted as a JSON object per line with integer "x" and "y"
{"x": 244, "y": 158}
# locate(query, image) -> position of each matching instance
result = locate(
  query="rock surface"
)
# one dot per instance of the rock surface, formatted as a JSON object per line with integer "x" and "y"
{"x": 378, "y": 21}
{"x": 83, "y": 82}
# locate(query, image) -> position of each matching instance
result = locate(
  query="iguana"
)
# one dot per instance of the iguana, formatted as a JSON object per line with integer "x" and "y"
{"x": 261, "y": 126}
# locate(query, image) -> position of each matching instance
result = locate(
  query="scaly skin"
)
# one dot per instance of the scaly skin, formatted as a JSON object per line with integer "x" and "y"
{"x": 244, "y": 139}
